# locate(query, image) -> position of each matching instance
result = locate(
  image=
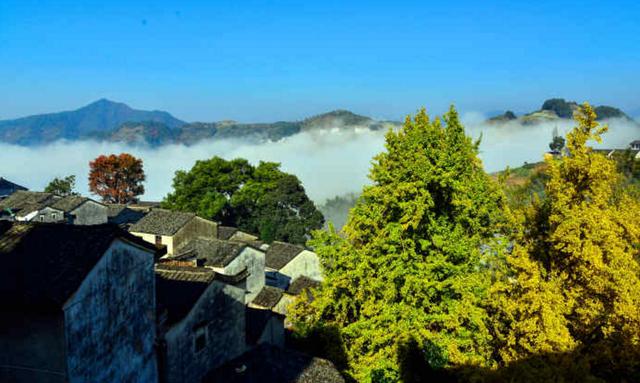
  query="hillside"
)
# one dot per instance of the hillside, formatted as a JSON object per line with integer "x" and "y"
{"x": 100, "y": 116}
{"x": 555, "y": 109}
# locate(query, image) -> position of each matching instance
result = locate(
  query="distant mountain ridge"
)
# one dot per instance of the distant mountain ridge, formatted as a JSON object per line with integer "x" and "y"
{"x": 100, "y": 116}
{"x": 556, "y": 109}
{"x": 110, "y": 121}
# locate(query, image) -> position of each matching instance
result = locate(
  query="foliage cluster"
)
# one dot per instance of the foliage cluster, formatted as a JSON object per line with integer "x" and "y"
{"x": 258, "y": 199}
{"x": 437, "y": 276}
{"x": 63, "y": 187}
{"x": 116, "y": 178}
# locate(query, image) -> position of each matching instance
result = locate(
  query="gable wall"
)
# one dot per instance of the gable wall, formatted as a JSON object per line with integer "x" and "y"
{"x": 110, "y": 321}
{"x": 306, "y": 264}
{"x": 221, "y": 311}
{"x": 89, "y": 213}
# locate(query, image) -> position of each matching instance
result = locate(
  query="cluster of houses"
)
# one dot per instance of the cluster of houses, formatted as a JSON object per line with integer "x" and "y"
{"x": 135, "y": 293}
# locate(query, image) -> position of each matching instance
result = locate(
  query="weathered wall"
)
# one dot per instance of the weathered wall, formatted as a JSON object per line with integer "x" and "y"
{"x": 221, "y": 311}
{"x": 253, "y": 261}
{"x": 151, "y": 238}
{"x": 197, "y": 227}
{"x": 274, "y": 332}
{"x": 49, "y": 215}
{"x": 275, "y": 279}
{"x": 89, "y": 213}
{"x": 306, "y": 263}
{"x": 32, "y": 348}
{"x": 110, "y": 321}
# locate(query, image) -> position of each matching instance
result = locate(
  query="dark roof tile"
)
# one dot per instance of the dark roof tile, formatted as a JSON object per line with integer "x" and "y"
{"x": 162, "y": 222}
{"x": 268, "y": 297}
{"x": 280, "y": 253}
{"x": 214, "y": 252}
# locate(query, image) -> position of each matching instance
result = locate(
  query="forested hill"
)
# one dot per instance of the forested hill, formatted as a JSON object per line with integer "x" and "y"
{"x": 557, "y": 109}
{"x": 106, "y": 120}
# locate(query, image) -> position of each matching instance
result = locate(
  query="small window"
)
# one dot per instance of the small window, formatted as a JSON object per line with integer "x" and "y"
{"x": 42, "y": 218}
{"x": 200, "y": 341}
{"x": 54, "y": 216}
{"x": 158, "y": 240}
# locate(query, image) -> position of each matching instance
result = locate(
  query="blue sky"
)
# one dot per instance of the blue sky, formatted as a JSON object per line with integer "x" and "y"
{"x": 283, "y": 60}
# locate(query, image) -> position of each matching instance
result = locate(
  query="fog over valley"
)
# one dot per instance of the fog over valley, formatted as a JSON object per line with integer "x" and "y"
{"x": 329, "y": 162}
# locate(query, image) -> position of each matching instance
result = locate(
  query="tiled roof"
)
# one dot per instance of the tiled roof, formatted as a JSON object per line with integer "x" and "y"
{"x": 267, "y": 363}
{"x": 122, "y": 214}
{"x": 300, "y": 284}
{"x": 178, "y": 288}
{"x": 214, "y": 252}
{"x": 25, "y": 202}
{"x": 69, "y": 203}
{"x": 44, "y": 264}
{"x": 162, "y": 222}
{"x": 280, "y": 253}
{"x": 8, "y": 187}
{"x": 268, "y": 297}
{"x": 225, "y": 232}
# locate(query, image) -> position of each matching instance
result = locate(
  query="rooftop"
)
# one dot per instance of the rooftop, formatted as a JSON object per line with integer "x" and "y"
{"x": 44, "y": 264}
{"x": 300, "y": 284}
{"x": 27, "y": 201}
{"x": 214, "y": 252}
{"x": 268, "y": 297}
{"x": 162, "y": 222}
{"x": 273, "y": 364}
{"x": 178, "y": 288}
{"x": 8, "y": 186}
{"x": 280, "y": 253}
{"x": 69, "y": 203}
{"x": 226, "y": 232}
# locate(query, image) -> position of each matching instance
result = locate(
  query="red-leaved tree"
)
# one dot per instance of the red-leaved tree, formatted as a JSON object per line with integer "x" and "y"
{"x": 116, "y": 178}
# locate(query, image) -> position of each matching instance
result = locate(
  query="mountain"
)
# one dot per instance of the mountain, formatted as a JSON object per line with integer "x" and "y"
{"x": 556, "y": 109}
{"x": 98, "y": 117}
{"x": 110, "y": 121}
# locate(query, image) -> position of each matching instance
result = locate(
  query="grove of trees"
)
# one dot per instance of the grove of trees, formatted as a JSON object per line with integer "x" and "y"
{"x": 258, "y": 199}
{"x": 63, "y": 187}
{"x": 436, "y": 277}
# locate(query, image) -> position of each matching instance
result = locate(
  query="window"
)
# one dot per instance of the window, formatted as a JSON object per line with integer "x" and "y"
{"x": 41, "y": 217}
{"x": 200, "y": 340}
{"x": 158, "y": 240}
{"x": 54, "y": 216}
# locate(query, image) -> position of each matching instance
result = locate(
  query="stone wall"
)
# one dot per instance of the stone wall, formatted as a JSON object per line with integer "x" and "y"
{"x": 252, "y": 260}
{"x": 306, "y": 264}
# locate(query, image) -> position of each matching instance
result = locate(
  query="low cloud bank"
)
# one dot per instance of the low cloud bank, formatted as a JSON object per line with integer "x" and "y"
{"x": 328, "y": 162}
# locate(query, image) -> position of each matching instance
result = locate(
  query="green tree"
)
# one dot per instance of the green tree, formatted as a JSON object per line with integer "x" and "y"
{"x": 261, "y": 200}
{"x": 557, "y": 142}
{"x": 413, "y": 265}
{"x": 572, "y": 282}
{"x": 62, "y": 186}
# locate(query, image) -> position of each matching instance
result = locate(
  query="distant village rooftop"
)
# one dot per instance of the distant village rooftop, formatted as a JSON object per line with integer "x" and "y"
{"x": 214, "y": 252}
{"x": 162, "y": 222}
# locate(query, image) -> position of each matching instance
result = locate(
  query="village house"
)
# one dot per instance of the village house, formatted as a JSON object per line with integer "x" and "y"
{"x": 172, "y": 229}
{"x": 635, "y": 145}
{"x": 7, "y": 188}
{"x": 286, "y": 262}
{"x": 24, "y": 205}
{"x": 78, "y": 304}
{"x": 229, "y": 258}
{"x": 76, "y": 210}
{"x": 229, "y": 233}
{"x": 201, "y": 321}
